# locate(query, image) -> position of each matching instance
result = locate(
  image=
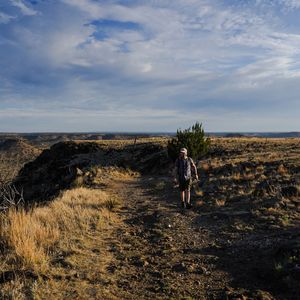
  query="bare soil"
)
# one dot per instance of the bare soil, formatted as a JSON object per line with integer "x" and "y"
{"x": 164, "y": 252}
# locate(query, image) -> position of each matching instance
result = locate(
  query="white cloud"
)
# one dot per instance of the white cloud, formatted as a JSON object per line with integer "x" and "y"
{"x": 291, "y": 4}
{"x": 24, "y": 8}
{"x": 183, "y": 55}
{"x": 5, "y": 18}
{"x": 201, "y": 38}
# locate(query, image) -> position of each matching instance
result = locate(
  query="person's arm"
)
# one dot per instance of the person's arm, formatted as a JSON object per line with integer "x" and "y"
{"x": 194, "y": 169}
{"x": 174, "y": 173}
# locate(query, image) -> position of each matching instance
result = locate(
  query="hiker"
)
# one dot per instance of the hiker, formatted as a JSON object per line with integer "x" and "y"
{"x": 184, "y": 166}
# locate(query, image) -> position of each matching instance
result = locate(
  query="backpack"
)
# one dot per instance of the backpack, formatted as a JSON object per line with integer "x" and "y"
{"x": 184, "y": 168}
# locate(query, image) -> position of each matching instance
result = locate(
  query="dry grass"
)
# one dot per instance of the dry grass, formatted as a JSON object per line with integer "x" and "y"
{"x": 113, "y": 173}
{"x": 117, "y": 144}
{"x": 12, "y": 160}
{"x": 243, "y": 176}
{"x": 199, "y": 203}
{"x": 33, "y": 238}
{"x": 30, "y": 239}
{"x": 260, "y": 168}
{"x": 107, "y": 175}
{"x": 236, "y": 176}
{"x": 198, "y": 192}
{"x": 248, "y": 176}
{"x": 220, "y": 202}
{"x": 282, "y": 170}
{"x": 205, "y": 166}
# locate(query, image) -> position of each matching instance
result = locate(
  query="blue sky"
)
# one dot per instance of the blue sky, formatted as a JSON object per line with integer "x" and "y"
{"x": 155, "y": 65}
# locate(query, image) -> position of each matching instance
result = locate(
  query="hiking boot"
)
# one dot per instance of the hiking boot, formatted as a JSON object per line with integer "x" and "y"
{"x": 188, "y": 205}
{"x": 183, "y": 204}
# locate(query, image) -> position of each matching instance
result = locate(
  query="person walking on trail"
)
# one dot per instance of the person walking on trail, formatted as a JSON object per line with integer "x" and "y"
{"x": 184, "y": 167}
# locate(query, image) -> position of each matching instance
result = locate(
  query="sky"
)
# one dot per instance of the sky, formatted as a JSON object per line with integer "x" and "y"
{"x": 149, "y": 65}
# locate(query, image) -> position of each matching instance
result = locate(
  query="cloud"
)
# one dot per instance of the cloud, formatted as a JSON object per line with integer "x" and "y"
{"x": 5, "y": 18}
{"x": 27, "y": 11}
{"x": 290, "y": 4}
{"x": 163, "y": 62}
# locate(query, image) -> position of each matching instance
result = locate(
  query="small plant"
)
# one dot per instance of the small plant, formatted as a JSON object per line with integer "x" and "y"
{"x": 160, "y": 185}
{"x": 236, "y": 176}
{"x": 193, "y": 139}
{"x": 10, "y": 197}
{"x": 282, "y": 170}
{"x": 220, "y": 202}
{"x": 111, "y": 204}
{"x": 278, "y": 267}
{"x": 260, "y": 168}
{"x": 285, "y": 220}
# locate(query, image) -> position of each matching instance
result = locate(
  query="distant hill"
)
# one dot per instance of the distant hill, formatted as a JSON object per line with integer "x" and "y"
{"x": 45, "y": 140}
{"x": 14, "y": 153}
{"x": 292, "y": 134}
{"x": 17, "y": 146}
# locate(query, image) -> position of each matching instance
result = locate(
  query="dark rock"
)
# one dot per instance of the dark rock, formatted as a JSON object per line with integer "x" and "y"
{"x": 200, "y": 270}
{"x": 290, "y": 191}
{"x": 54, "y": 169}
{"x": 139, "y": 261}
{"x": 180, "y": 267}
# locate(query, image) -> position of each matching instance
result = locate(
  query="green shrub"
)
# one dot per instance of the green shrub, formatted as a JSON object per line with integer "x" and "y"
{"x": 193, "y": 139}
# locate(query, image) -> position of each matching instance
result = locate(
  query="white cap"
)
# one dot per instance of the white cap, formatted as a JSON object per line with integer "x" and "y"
{"x": 183, "y": 150}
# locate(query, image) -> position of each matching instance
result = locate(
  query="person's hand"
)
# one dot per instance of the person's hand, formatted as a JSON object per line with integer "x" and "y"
{"x": 175, "y": 180}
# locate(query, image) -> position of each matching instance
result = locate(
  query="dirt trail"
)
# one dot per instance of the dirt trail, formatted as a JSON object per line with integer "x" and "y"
{"x": 161, "y": 251}
{"x": 208, "y": 252}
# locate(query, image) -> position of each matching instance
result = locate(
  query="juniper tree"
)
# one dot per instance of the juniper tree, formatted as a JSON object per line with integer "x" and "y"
{"x": 193, "y": 139}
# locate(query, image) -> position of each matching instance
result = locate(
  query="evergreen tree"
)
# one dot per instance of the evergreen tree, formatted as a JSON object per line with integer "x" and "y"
{"x": 193, "y": 139}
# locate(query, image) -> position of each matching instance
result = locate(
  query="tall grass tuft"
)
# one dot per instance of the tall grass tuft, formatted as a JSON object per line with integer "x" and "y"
{"x": 32, "y": 237}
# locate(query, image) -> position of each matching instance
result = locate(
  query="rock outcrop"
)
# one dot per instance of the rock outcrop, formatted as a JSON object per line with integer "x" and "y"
{"x": 56, "y": 169}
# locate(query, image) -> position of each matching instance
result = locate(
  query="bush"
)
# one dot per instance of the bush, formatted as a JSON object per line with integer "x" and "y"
{"x": 193, "y": 139}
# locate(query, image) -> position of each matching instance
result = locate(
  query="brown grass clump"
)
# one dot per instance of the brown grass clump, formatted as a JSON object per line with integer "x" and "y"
{"x": 236, "y": 176}
{"x": 282, "y": 170}
{"x": 199, "y": 203}
{"x": 107, "y": 175}
{"x": 249, "y": 176}
{"x": 32, "y": 237}
{"x": 205, "y": 167}
{"x": 260, "y": 168}
{"x": 199, "y": 192}
{"x": 215, "y": 163}
{"x": 78, "y": 209}
{"x": 220, "y": 202}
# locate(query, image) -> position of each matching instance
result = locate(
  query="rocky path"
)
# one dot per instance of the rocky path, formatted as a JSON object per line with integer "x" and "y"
{"x": 162, "y": 252}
